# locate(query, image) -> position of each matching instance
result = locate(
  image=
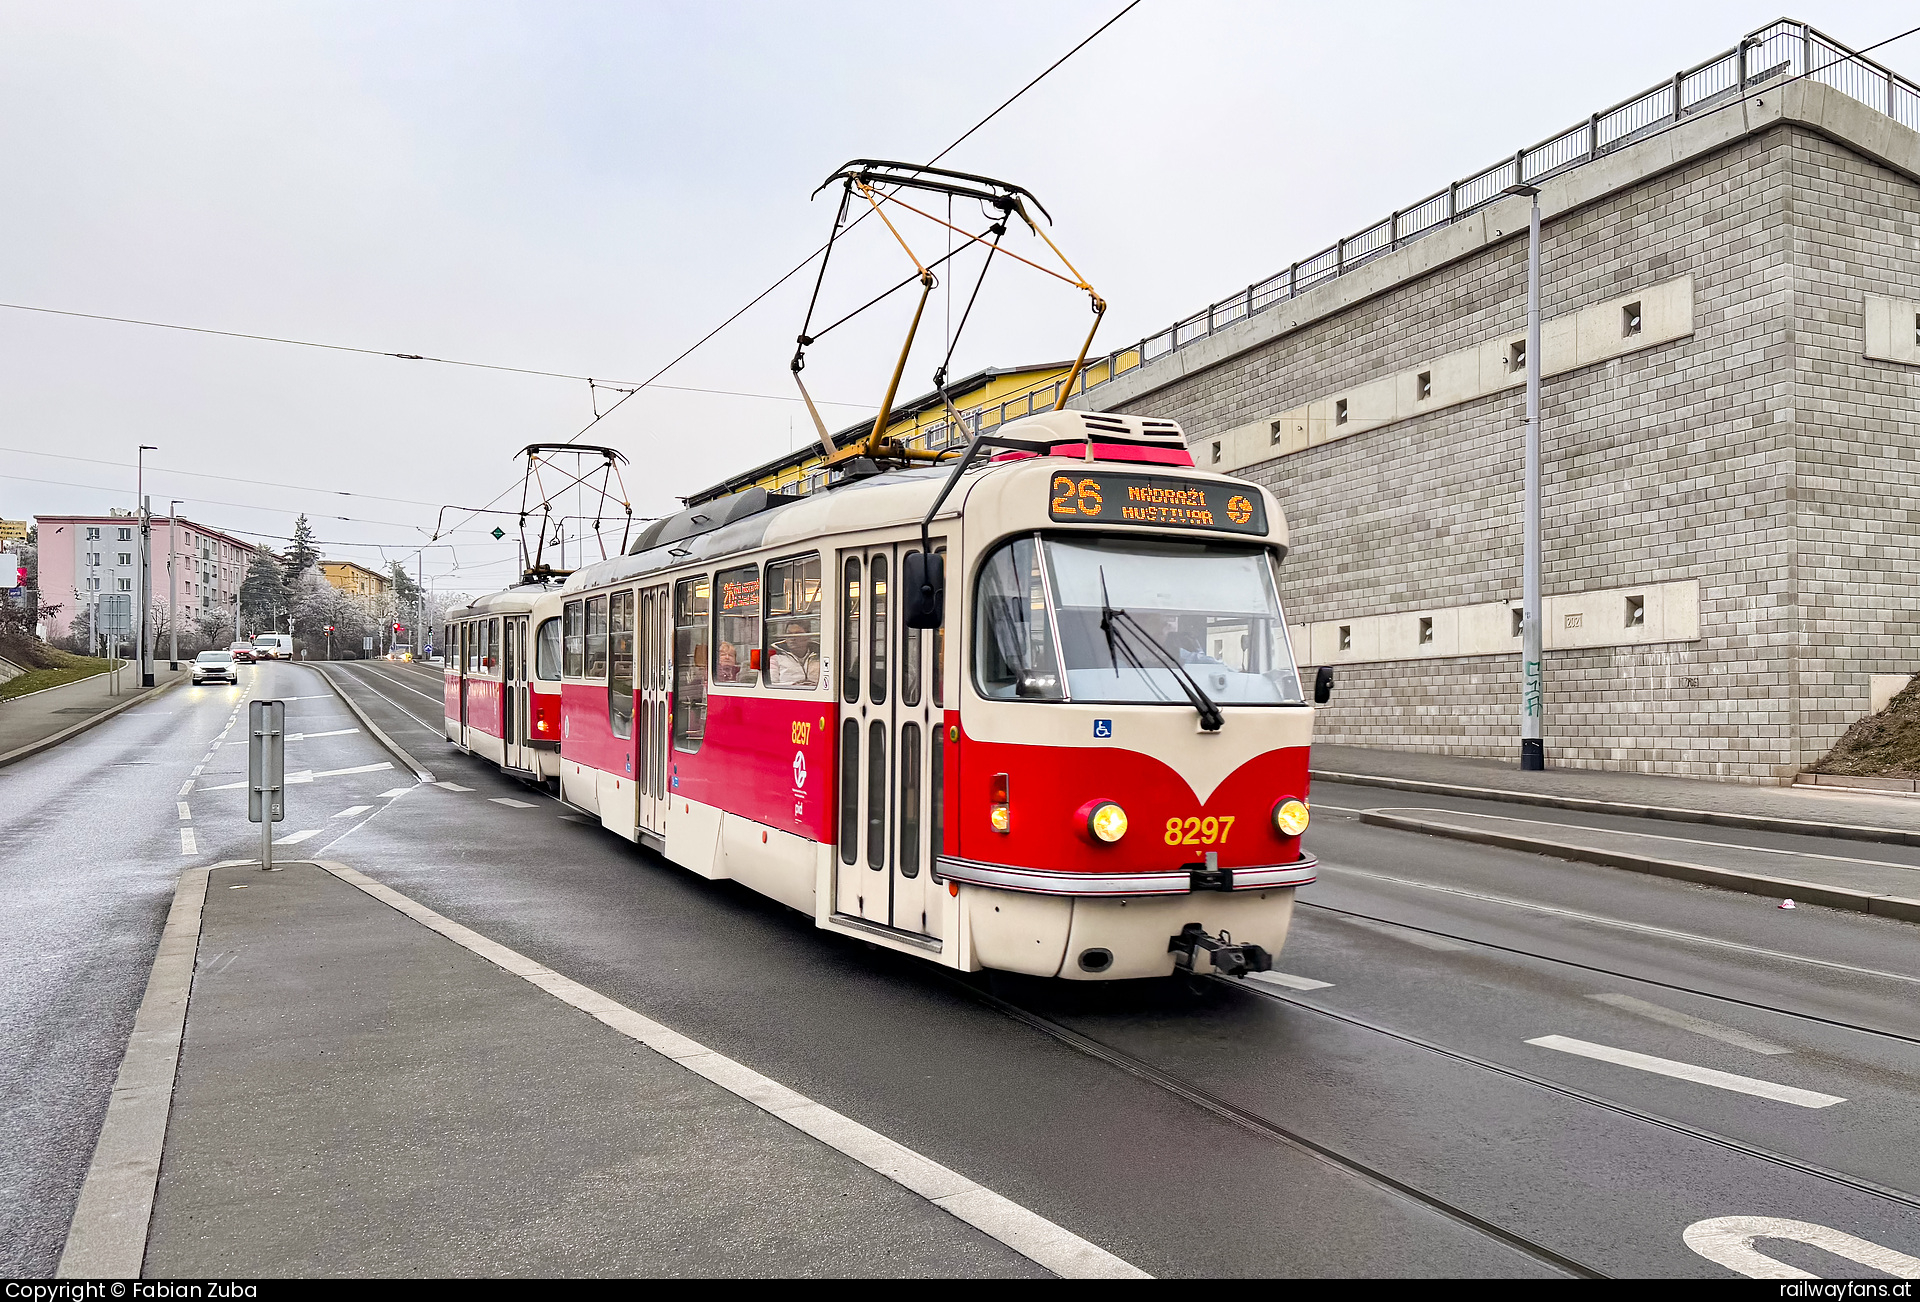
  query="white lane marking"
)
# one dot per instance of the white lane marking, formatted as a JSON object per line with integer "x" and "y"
{"x": 437, "y": 700}
{"x": 1407, "y": 934}
{"x": 1289, "y": 981}
{"x": 187, "y": 843}
{"x": 397, "y": 791}
{"x": 308, "y": 775}
{"x": 1728, "y": 1241}
{"x": 308, "y": 736}
{"x": 1688, "y": 1022}
{"x": 1604, "y": 921}
{"x": 1726, "y": 1080}
{"x": 511, "y": 803}
{"x": 197, "y": 768}
{"x": 229, "y": 786}
{"x": 295, "y": 838}
{"x": 451, "y": 786}
{"x": 185, "y": 813}
{"x": 1033, "y": 1236}
{"x": 186, "y": 788}
{"x": 1655, "y": 836}
{"x": 351, "y": 810}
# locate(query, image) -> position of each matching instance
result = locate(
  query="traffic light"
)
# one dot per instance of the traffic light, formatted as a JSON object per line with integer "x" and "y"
{"x": 329, "y": 628}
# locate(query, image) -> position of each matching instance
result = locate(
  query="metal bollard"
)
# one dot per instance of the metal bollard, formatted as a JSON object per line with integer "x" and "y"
{"x": 266, "y": 771}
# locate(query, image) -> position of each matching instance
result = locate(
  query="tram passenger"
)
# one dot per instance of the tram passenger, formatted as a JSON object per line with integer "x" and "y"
{"x": 795, "y": 661}
{"x": 726, "y": 667}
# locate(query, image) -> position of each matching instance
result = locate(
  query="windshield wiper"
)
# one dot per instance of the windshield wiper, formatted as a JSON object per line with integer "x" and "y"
{"x": 1122, "y": 629}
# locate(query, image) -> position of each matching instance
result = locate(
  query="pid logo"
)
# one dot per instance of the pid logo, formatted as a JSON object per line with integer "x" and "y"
{"x": 799, "y": 769}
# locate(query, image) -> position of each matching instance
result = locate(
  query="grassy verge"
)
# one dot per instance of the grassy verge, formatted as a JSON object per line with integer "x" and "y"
{"x": 76, "y": 668}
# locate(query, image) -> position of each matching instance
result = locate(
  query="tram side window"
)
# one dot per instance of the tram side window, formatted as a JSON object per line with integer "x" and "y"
{"x": 940, "y": 652}
{"x": 620, "y": 681}
{"x": 1013, "y": 652}
{"x": 793, "y": 622}
{"x": 911, "y": 642}
{"x": 736, "y": 626}
{"x": 490, "y": 646}
{"x": 597, "y": 639}
{"x": 850, "y": 630}
{"x": 469, "y": 649}
{"x": 690, "y": 610}
{"x": 574, "y": 618}
{"x": 546, "y": 651}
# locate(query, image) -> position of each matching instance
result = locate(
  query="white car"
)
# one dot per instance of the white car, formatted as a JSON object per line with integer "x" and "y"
{"x": 215, "y": 667}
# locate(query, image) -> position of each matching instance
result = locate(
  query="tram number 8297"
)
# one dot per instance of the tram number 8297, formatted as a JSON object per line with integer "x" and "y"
{"x": 1198, "y": 831}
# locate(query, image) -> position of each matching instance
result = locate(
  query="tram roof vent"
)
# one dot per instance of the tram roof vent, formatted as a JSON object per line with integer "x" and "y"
{"x": 707, "y": 517}
{"x": 1115, "y": 437}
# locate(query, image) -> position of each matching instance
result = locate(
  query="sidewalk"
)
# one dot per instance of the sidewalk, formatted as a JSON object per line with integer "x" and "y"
{"x": 1494, "y": 779}
{"x": 33, "y": 722}
{"x": 361, "y": 1094}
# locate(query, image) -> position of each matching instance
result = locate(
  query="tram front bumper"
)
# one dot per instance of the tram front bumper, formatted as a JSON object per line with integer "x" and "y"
{"x": 1110, "y": 938}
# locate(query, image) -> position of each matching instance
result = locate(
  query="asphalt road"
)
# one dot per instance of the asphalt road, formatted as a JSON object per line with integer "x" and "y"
{"x": 1448, "y": 1086}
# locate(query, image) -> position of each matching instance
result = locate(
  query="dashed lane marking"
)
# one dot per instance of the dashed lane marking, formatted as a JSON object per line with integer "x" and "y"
{"x": 351, "y": 810}
{"x": 1688, "y": 1022}
{"x": 1725, "y": 1080}
{"x": 396, "y": 791}
{"x": 308, "y": 736}
{"x": 185, "y": 813}
{"x": 1289, "y": 981}
{"x": 295, "y": 838}
{"x": 187, "y": 844}
{"x": 451, "y": 786}
{"x": 511, "y": 803}
{"x": 186, "y": 788}
{"x": 1027, "y": 1232}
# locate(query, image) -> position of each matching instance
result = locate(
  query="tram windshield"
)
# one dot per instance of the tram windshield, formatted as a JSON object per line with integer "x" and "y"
{"x": 1125, "y": 619}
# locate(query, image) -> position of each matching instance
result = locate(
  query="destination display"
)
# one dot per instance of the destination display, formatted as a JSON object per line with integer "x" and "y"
{"x": 1161, "y": 500}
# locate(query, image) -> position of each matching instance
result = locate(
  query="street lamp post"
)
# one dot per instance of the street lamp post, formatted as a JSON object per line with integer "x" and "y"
{"x": 146, "y": 561}
{"x": 173, "y": 600}
{"x": 1532, "y": 747}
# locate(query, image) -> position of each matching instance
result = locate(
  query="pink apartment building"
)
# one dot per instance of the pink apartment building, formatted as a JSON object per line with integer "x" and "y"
{"x": 91, "y": 562}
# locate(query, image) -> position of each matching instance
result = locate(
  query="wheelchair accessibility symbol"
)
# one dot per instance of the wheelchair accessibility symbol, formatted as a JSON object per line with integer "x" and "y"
{"x": 1103, "y": 727}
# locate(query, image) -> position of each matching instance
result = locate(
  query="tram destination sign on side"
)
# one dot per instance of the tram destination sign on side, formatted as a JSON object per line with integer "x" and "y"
{"x": 1164, "y": 500}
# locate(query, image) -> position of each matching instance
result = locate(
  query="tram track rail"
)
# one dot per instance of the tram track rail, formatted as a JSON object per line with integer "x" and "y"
{"x": 1266, "y": 1128}
{"x": 1857, "y": 1183}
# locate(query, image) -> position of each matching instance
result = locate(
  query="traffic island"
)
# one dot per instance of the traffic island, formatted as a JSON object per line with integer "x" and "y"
{"x": 357, "y": 1094}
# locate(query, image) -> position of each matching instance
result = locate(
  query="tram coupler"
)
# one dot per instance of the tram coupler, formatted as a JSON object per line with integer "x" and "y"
{"x": 1227, "y": 957}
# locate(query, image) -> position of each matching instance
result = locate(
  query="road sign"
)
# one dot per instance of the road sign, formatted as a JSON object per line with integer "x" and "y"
{"x": 13, "y": 531}
{"x": 266, "y": 771}
{"x": 366, "y": 643}
{"x": 116, "y": 614}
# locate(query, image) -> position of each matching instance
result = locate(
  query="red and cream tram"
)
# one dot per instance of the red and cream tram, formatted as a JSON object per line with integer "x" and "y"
{"x": 1094, "y": 767}
{"x": 502, "y": 675}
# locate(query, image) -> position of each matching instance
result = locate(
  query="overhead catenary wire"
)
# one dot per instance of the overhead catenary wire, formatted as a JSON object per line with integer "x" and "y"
{"x": 801, "y": 265}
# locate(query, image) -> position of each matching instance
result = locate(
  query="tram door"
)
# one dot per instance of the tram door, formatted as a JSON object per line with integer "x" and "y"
{"x": 655, "y": 675}
{"x": 514, "y": 703}
{"x": 465, "y": 662}
{"x": 889, "y": 726}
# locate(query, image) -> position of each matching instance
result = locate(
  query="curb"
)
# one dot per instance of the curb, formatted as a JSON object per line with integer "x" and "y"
{"x": 420, "y": 771}
{"x": 1752, "y": 822}
{"x": 1836, "y": 897}
{"x": 107, "y": 1238}
{"x": 47, "y": 743}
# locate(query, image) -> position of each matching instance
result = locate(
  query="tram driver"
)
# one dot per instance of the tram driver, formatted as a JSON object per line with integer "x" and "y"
{"x": 796, "y": 661}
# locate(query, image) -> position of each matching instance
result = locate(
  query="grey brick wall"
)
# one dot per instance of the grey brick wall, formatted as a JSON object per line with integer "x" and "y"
{"x": 1762, "y": 456}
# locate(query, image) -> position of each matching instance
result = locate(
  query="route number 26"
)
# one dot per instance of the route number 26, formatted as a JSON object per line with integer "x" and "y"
{"x": 1069, "y": 495}
{"x": 1198, "y": 831}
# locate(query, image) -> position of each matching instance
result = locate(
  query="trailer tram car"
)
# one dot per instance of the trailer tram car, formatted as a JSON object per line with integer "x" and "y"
{"x": 502, "y": 675}
{"x": 1100, "y": 774}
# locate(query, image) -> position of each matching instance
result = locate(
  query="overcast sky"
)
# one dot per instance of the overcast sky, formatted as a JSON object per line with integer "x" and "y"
{"x": 589, "y": 188}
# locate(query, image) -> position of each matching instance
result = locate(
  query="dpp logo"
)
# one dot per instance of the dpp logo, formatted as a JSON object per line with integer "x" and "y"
{"x": 1103, "y": 727}
{"x": 799, "y": 768}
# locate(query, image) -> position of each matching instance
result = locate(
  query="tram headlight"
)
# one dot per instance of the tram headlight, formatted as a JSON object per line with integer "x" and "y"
{"x": 1290, "y": 816}
{"x": 1107, "y": 822}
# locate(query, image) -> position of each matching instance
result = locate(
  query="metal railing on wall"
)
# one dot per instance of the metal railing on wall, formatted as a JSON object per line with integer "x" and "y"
{"x": 1781, "y": 50}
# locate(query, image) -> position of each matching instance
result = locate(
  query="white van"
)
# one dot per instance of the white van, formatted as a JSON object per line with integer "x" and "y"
{"x": 273, "y": 646}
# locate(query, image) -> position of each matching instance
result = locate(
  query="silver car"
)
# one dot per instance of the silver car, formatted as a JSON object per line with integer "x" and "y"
{"x": 215, "y": 667}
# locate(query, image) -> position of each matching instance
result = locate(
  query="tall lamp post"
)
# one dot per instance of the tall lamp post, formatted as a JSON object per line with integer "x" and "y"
{"x": 1533, "y": 754}
{"x": 173, "y": 600}
{"x": 146, "y": 561}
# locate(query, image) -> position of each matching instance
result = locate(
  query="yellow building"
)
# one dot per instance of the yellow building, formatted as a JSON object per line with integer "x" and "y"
{"x": 984, "y": 400}
{"x": 354, "y": 579}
